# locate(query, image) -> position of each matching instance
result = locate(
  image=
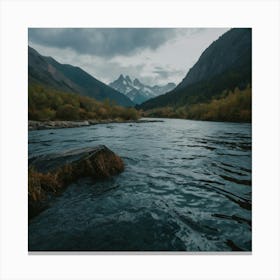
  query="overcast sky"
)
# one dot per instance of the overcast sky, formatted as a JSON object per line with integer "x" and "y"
{"x": 153, "y": 55}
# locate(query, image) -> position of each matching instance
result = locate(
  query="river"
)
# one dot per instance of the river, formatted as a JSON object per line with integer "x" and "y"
{"x": 186, "y": 187}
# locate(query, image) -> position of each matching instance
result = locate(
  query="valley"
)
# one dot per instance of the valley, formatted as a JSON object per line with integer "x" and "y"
{"x": 140, "y": 163}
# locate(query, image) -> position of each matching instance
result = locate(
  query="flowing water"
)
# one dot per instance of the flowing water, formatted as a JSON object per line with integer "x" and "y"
{"x": 186, "y": 187}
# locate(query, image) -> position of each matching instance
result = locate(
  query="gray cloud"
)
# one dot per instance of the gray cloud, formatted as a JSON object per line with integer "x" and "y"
{"x": 163, "y": 74}
{"x": 104, "y": 42}
{"x": 154, "y": 55}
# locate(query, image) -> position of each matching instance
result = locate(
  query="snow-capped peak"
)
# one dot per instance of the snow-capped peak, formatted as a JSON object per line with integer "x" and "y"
{"x": 128, "y": 79}
{"x": 137, "y": 91}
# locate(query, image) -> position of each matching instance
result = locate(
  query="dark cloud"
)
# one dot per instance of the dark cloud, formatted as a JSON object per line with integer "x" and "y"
{"x": 154, "y": 55}
{"x": 104, "y": 42}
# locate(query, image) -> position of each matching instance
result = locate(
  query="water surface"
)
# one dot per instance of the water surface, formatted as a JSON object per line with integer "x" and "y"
{"x": 186, "y": 187}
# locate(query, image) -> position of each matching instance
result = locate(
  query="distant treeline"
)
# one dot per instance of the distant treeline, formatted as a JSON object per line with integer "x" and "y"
{"x": 230, "y": 106}
{"x": 49, "y": 104}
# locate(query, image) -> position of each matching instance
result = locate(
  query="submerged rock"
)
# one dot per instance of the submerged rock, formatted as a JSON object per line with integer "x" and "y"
{"x": 50, "y": 174}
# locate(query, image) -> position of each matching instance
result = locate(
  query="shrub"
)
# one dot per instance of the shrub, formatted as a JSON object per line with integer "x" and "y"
{"x": 231, "y": 106}
{"x": 67, "y": 112}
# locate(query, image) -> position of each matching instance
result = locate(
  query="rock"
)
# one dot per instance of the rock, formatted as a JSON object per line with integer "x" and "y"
{"x": 34, "y": 125}
{"x": 99, "y": 161}
{"x": 50, "y": 174}
{"x": 38, "y": 125}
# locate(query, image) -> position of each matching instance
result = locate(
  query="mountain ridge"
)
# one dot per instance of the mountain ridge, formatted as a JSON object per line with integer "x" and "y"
{"x": 237, "y": 43}
{"x": 46, "y": 71}
{"x": 138, "y": 92}
{"x": 223, "y": 66}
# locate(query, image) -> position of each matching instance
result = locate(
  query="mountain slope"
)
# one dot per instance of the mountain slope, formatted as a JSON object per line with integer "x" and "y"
{"x": 223, "y": 66}
{"x": 48, "y": 72}
{"x": 137, "y": 91}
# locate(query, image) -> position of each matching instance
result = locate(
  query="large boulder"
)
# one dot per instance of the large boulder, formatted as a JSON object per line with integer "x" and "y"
{"x": 50, "y": 174}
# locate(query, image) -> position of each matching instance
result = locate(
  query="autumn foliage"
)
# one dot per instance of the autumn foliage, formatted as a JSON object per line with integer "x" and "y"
{"x": 48, "y": 104}
{"x": 232, "y": 106}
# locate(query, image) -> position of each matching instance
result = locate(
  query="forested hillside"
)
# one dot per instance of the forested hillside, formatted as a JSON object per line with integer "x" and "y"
{"x": 223, "y": 70}
{"x": 49, "y": 104}
{"x": 234, "y": 106}
{"x": 47, "y": 72}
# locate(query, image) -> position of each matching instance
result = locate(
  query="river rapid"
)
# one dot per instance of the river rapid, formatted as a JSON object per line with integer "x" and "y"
{"x": 186, "y": 187}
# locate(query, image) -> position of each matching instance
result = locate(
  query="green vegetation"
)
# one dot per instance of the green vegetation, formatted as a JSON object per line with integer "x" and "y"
{"x": 46, "y": 104}
{"x": 230, "y": 106}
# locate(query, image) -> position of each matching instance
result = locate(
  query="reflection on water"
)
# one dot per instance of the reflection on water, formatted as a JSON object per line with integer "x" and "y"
{"x": 186, "y": 187}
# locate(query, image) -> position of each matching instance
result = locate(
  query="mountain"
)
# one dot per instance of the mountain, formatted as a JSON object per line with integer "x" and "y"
{"x": 137, "y": 91}
{"x": 48, "y": 72}
{"x": 224, "y": 66}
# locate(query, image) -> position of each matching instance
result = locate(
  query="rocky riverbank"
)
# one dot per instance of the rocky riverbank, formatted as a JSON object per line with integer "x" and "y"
{"x": 48, "y": 175}
{"x": 38, "y": 125}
